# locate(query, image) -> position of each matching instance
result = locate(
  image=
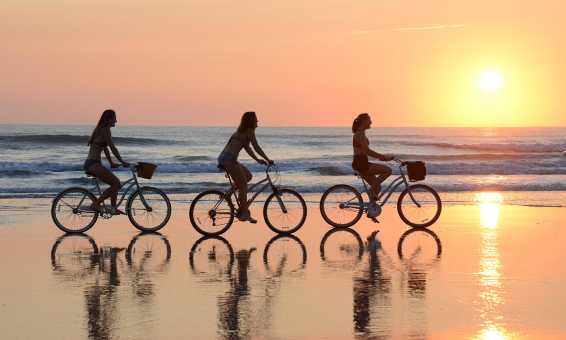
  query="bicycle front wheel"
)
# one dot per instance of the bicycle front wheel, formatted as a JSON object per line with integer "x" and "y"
{"x": 72, "y": 211}
{"x": 341, "y": 206}
{"x": 419, "y": 206}
{"x": 211, "y": 214}
{"x": 285, "y": 211}
{"x": 149, "y": 209}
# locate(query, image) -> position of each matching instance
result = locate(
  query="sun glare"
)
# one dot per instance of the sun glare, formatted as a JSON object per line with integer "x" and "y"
{"x": 490, "y": 81}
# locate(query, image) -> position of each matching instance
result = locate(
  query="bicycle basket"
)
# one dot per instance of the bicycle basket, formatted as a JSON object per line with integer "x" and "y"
{"x": 146, "y": 170}
{"x": 416, "y": 171}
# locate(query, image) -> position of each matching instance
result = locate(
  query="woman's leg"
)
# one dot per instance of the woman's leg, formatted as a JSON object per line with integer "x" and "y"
{"x": 240, "y": 177}
{"x": 376, "y": 174}
{"x": 109, "y": 178}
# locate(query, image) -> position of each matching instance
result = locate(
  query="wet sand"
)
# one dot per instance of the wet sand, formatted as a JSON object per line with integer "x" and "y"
{"x": 488, "y": 271}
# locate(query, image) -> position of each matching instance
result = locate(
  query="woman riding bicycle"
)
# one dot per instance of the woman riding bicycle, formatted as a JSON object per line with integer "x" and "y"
{"x": 228, "y": 160}
{"x": 373, "y": 173}
{"x": 100, "y": 140}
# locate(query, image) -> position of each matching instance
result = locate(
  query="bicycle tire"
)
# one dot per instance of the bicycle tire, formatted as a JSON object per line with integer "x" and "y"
{"x": 74, "y": 210}
{"x": 413, "y": 224}
{"x": 195, "y": 221}
{"x": 270, "y": 200}
{"x": 355, "y": 194}
{"x": 131, "y": 213}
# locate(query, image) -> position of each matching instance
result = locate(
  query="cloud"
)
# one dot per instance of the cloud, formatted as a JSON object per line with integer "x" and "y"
{"x": 415, "y": 28}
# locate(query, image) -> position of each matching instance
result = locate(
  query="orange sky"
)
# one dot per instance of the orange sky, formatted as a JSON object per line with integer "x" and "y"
{"x": 319, "y": 62}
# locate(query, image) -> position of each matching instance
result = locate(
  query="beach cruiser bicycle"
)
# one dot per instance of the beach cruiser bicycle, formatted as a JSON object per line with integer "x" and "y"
{"x": 148, "y": 208}
{"x": 418, "y": 205}
{"x": 212, "y": 212}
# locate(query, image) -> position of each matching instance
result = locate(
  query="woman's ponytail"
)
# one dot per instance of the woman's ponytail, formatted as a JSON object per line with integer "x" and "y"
{"x": 358, "y": 120}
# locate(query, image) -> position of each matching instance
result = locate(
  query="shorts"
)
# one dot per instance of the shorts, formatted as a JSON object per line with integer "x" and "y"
{"x": 89, "y": 163}
{"x": 226, "y": 157}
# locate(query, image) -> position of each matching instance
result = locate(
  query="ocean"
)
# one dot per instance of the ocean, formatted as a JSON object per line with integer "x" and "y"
{"x": 529, "y": 164}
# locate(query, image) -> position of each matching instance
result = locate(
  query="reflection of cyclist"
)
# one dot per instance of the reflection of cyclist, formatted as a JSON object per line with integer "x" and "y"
{"x": 228, "y": 160}
{"x": 373, "y": 173}
{"x": 101, "y": 140}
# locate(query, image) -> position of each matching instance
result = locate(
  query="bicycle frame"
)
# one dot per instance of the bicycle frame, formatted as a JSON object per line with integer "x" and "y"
{"x": 267, "y": 182}
{"x": 130, "y": 183}
{"x": 402, "y": 179}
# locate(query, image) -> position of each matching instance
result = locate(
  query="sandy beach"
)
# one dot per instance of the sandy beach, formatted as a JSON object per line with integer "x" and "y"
{"x": 488, "y": 271}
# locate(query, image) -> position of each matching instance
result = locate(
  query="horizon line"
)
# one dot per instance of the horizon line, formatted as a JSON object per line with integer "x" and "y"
{"x": 303, "y": 126}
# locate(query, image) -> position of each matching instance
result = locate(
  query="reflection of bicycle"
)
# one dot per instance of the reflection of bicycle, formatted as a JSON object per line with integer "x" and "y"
{"x": 74, "y": 255}
{"x": 148, "y": 251}
{"x": 284, "y": 254}
{"x": 148, "y": 208}
{"x": 419, "y": 244}
{"x": 211, "y": 258}
{"x": 418, "y": 205}
{"x": 212, "y": 212}
{"x": 341, "y": 247}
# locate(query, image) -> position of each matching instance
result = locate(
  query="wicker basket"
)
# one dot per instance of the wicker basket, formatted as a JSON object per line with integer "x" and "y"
{"x": 416, "y": 171}
{"x": 146, "y": 170}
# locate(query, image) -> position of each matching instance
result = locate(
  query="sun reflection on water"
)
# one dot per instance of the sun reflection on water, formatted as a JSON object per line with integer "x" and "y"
{"x": 491, "y": 287}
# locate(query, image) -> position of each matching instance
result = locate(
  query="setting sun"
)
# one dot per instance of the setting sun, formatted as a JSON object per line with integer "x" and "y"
{"x": 490, "y": 81}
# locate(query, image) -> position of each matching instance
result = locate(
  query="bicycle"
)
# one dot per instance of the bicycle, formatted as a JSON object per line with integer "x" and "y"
{"x": 418, "y": 205}
{"x": 212, "y": 212}
{"x": 148, "y": 208}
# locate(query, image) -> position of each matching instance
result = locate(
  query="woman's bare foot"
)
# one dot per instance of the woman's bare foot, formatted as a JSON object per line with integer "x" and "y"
{"x": 116, "y": 211}
{"x": 244, "y": 215}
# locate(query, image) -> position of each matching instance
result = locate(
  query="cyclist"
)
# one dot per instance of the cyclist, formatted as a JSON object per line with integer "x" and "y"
{"x": 100, "y": 140}
{"x": 372, "y": 173}
{"x": 228, "y": 160}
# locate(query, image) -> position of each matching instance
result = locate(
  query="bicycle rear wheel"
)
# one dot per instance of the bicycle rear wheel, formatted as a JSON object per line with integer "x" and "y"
{"x": 341, "y": 206}
{"x": 149, "y": 209}
{"x": 71, "y": 210}
{"x": 211, "y": 213}
{"x": 285, "y": 211}
{"x": 419, "y": 206}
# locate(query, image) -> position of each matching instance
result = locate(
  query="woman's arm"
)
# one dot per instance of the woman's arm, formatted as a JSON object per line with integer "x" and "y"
{"x": 107, "y": 154}
{"x": 110, "y": 143}
{"x": 258, "y": 148}
{"x": 379, "y": 156}
{"x": 252, "y": 154}
{"x": 363, "y": 145}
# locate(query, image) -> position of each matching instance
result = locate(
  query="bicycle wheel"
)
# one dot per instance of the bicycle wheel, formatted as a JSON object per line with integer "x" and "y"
{"x": 211, "y": 258}
{"x": 285, "y": 211}
{"x": 341, "y": 206}
{"x": 149, "y": 209}
{"x": 211, "y": 213}
{"x": 148, "y": 252}
{"x": 422, "y": 209}
{"x": 284, "y": 254}
{"x": 71, "y": 210}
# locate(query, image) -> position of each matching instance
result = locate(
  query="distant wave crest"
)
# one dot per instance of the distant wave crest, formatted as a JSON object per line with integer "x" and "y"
{"x": 63, "y": 139}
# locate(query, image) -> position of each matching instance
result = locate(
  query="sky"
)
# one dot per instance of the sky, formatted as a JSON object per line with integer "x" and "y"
{"x": 296, "y": 63}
